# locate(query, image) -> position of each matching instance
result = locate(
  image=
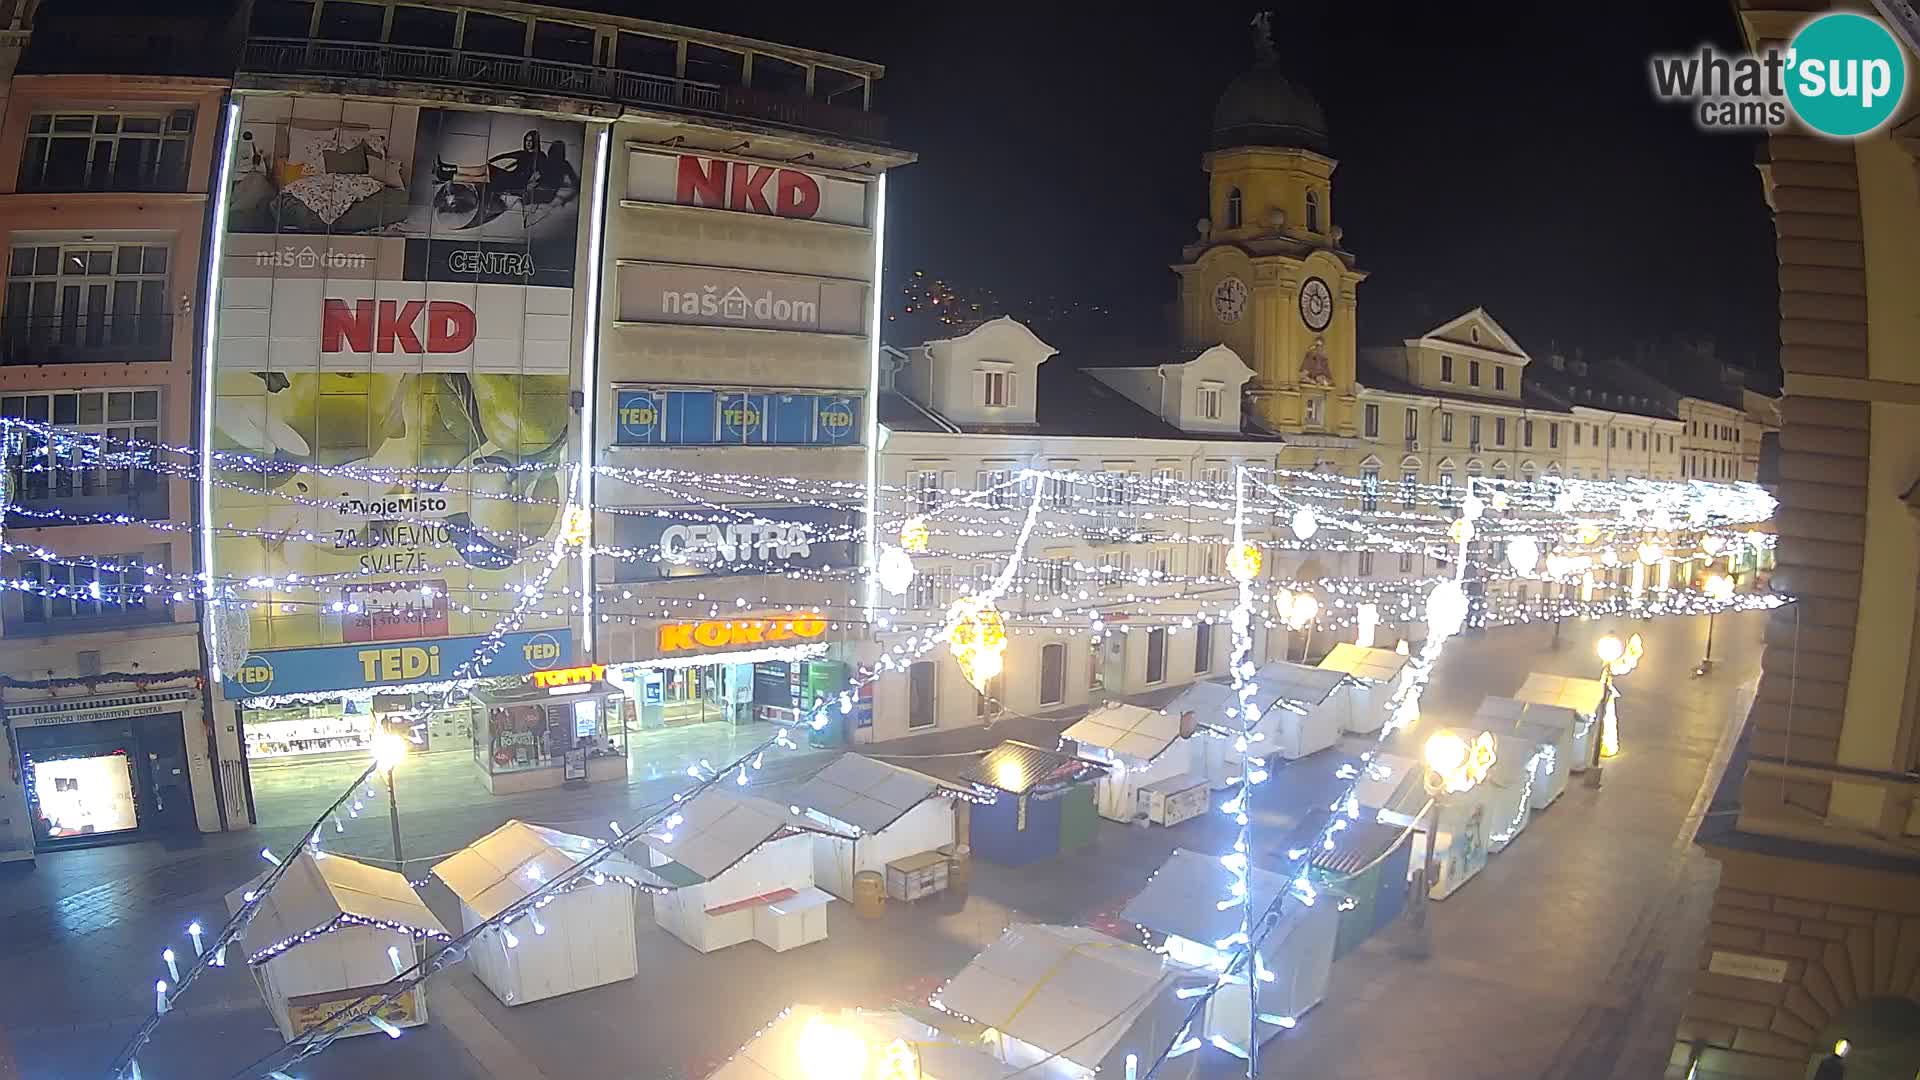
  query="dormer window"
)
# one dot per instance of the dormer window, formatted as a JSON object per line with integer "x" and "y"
{"x": 1234, "y": 207}
{"x": 1207, "y": 401}
{"x": 1313, "y": 211}
{"x": 996, "y": 388}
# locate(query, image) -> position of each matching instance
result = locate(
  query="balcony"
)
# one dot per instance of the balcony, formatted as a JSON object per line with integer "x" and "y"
{"x": 404, "y": 63}
{"x": 86, "y": 339}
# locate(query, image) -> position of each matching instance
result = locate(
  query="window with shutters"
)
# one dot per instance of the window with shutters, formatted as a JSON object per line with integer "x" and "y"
{"x": 996, "y": 388}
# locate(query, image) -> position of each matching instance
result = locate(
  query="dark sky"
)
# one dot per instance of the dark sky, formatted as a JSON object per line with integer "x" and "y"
{"x": 1500, "y": 153}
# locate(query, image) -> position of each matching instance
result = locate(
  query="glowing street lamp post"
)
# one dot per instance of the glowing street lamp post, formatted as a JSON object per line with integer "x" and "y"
{"x": 1616, "y": 658}
{"x": 1719, "y": 589}
{"x": 389, "y": 750}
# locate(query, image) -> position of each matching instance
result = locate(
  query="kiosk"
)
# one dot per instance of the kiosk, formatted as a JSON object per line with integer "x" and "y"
{"x": 1582, "y": 696}
{"x": 1376, "y": 675}
{"x": 742, "y": 870}
{"x": 1042, "y": 804}
{"x": 1205, "y": 706}
{"x": 1182, "y": 901}
{"x": 878, "y": 814}
{"x": 1067, "y": 1003}
{"x": 334, "y": 931}
{"x": 1299, "y": 710}
{"x": 1151, "y": 763}
{"x": 551, "y": 728}
{"x": 581, "y": 937}
{"x": 1550, "y": 728}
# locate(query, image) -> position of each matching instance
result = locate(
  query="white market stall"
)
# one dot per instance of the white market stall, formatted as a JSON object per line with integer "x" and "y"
{"x": 1067, "y": 1003}
{"x": 581, "y": 937}
{"x": 1508, "y": 789}
{"x": 1155, "y": 773}
{"x": 1204, "y": 707}
{"x": 878, "y": 814}
{"x": 1299, "y": 709}
{"x": 331, "y": 933}
{"x": 1392, "y": 790}
{"x": 1582, "y": 696}
{"x": 1182, "y": 901}
{"x": 1550, "y": 728}
{"x": 741, "y": 870}
{"x": 810, "y": 1043}
{"x": 1376, "y": 676}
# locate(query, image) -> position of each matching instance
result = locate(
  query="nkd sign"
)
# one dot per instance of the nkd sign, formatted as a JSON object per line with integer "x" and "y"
{"x": 745, "y": 187}
{"x": 705, "y": 296}
{"x": 395, "y": 326}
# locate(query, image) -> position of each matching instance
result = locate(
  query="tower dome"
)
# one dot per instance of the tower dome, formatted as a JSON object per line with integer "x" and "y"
{"x": 1262, "y": 107}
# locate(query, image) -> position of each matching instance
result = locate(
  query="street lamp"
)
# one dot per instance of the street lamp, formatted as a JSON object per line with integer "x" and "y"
{"x": 1719, "y": 589}
{"x": 1616, "y": 658}
{"x": 389, "y": 750}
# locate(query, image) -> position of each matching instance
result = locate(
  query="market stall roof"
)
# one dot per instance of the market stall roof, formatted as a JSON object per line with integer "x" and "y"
{"x": 719, "y": 828}
{"x": 1128, "y": 730}
{"x": 1207, "y": 701}
{"x": 1393, "y": 783}
{"x": 867, "y": 794}
{"x": 1359, "y": 846}
{"x": 775, "y": 1053}
{"x": 505, "y": 866}
{"x": 319, "y": 891}
{"x": 1580, "y": 695}
{"x": 1376, "y": 665}
{"x": 1017, "y": 768}
{"x": 1507, "y": 714}
{"x": 1282, "y": 680}
{"x": 1067, "y": 990}
{"x": 1183, "y": 897}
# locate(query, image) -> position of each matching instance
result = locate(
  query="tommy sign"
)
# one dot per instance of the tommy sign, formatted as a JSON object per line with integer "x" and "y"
{"x": 711, "y": 296}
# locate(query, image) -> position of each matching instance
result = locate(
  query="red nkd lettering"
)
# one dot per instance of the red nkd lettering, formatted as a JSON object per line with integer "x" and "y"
{"x": 797, "y": 195}
{"x": 701, "y": 182}
{"x": 388, "y": 326}
{"x": 737, "y": 185}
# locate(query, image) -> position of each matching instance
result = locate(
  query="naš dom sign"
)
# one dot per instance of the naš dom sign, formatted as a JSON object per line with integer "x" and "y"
{"x": 738, "y": 633}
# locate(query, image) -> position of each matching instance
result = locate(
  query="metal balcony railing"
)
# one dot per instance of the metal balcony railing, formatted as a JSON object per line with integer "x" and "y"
{"x": 376, "y": 60}
{"x": 86, "y": 339}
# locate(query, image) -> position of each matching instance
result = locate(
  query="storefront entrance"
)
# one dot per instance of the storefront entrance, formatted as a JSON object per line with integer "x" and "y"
{"x": 715, "y": 693}
{"x": 101, "y": 781}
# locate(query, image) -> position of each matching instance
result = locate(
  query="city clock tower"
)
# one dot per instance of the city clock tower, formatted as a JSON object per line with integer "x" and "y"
{"x": 1267, "y": 275}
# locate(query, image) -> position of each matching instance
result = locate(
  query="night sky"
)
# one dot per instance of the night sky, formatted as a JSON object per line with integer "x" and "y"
{"x": 1508, "y": 154}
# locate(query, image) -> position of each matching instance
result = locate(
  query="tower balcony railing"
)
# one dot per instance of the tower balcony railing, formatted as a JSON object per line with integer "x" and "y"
{"x": 407, "y": 63}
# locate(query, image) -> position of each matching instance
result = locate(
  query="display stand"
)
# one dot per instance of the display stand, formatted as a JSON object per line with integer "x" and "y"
{"x": 582, "y": 937}
{"x": 1365, "y": 702}
{"x": 1145, "y": 748}
{"x": 877, "y": 813}
{"x": 1069, "y": 1003}
{"x": 1182, "y": 901}
{"x": 326, "y": 939}
{"x": 1582, "y": 696}
{"x": 730, "y": 857}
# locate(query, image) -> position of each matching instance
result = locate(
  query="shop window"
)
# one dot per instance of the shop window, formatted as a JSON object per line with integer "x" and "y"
{"x": 423, "y": 27}
{"x": 646, "y": 55}
{"x": 1053, "y": 674}
{"x": 108, "y": 151}
{"x": 78, "y": 479}
{"x": 719, "y": 67}
{"x": 342, "y": 20}
{"x": 1156, "y": 656}
{"x": 921, "y": 677}
{"x": 1202, "y": 648}
{"x": 494, "y": 34}
{"x": 104, "y": 590}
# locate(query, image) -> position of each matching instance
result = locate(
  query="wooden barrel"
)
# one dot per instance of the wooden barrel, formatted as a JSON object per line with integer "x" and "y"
{"x": 869, "y": 894}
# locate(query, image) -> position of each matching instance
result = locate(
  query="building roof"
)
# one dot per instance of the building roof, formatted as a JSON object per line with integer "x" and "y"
{"x": 1359, "y": 846}
{"x": 1208, "y": 700}
{"x": 318, "y": 891}
{"x": 1066, "y": 990}
{"x": 1391, "y": 782}
{"x": 775, "y": 1053}
{"x": 1183, "y": 897}
{"x": 1581, "y": 695}
{"x": 1375, "y": 665}
{"x": 1284, "y": 680}
{"x": 1128, "y": 730}
{"x": 1262, "y": 107}
{"x": 1531, "y": 396}
{"x": 1509, "y": 714}
{"x": 508, "y": 864}
{"x": 867, "y": 794}
{"x": 718, "y": 829}
{"x": 1017, "y": 768}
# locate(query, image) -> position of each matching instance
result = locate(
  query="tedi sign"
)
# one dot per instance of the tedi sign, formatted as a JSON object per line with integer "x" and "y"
{"x": 394, "y": 326}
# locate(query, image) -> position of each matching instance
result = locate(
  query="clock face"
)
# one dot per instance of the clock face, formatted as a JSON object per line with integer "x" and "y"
{"x": 1316, "y": 304}
{"x": 1229, "y": 299}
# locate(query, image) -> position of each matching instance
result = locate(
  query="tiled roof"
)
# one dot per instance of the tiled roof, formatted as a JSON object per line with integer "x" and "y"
{"x": 1018, "y": 768}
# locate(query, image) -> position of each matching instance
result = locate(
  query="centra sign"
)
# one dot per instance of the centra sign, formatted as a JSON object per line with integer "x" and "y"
{"x": 735, "y": 633}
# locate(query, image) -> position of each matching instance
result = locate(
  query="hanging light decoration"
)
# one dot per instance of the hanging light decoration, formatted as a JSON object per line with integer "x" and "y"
{"x": 893, "y": 570}
{"x": 1446, "y": 609}
{"x": 1301, "y": 609}
{"x": 1712, "y": 544}
{"x": 1523, "y": 554}
{"x": 977, "y": 637}
{"x": 1455, "y": 765}
{"x": 1587, "y": 534}
{"x": 1472, "y": 506}
{"x": 1368, "y": 618}
{"x": 914, "y": 534}
{"x": 1650, "y": 553}
{"x": 1461, "y": 531}
{"x": 575, "y": 525}
{"x": 1243, "y": 562}
{"x": 1304, "y": 523}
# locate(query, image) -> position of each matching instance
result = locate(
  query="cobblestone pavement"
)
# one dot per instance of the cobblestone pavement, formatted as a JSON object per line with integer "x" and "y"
{"x": 1568, "y": 957}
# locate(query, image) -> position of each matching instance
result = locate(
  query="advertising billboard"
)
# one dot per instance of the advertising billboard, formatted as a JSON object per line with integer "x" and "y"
{"x": 396, "y": 332}
{"x": 745, "y": 187}
{"x": 695, "y": 416}
{"x": 765, "y": 539}
{"x": 718, "y": 296}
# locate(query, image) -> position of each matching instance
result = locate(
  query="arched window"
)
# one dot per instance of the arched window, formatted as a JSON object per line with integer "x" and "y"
{"x": 1313, "y": 211}
{"x": 1233, "y": 208}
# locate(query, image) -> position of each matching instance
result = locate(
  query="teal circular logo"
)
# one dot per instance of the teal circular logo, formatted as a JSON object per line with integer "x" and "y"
{"x": 1845, "y": 74}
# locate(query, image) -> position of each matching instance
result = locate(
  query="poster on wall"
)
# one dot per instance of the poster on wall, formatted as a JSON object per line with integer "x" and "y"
{"x": 396, "y": 301}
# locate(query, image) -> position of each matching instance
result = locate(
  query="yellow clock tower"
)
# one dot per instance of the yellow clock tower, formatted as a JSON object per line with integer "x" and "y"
{"x": 1267, "y": 276}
